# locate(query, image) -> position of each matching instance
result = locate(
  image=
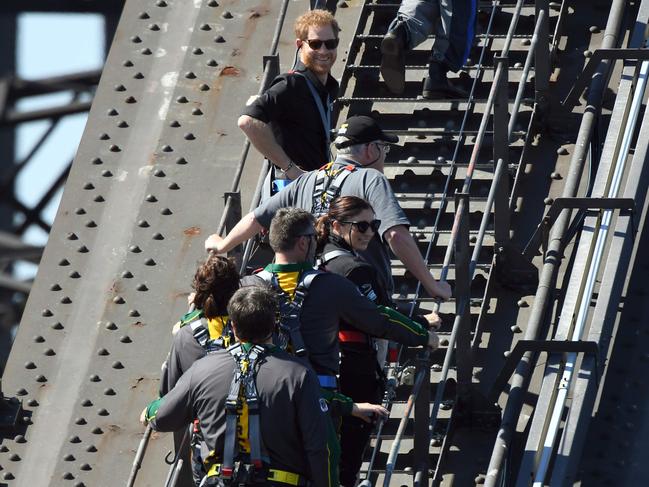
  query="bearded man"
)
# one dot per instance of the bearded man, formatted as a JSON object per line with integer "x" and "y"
{"x": 290, "y": 123}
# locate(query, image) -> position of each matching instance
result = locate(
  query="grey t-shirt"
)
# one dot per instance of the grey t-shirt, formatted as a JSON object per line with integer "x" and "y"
{"x": 365, "y": 183}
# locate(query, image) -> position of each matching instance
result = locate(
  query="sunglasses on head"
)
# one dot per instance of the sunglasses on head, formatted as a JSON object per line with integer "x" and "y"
{"x": 316, "y": 44}
{"x": 363, "y": 226}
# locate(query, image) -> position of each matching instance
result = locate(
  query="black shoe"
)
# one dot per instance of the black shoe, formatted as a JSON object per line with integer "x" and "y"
{"x": 393, "y": 58}
{"x": 437, "y": 85}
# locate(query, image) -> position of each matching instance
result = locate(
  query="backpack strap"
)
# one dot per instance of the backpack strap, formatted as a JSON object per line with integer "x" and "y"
{"x": 325, "y": 111}
{"x": 327, "y": 187}
{"x": 329, "y": 256}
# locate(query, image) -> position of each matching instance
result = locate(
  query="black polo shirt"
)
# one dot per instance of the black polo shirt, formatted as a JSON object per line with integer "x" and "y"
{"x": 289, "y": 107}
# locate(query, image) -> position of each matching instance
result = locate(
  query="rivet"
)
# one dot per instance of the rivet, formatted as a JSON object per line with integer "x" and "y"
{"x": 66, "y": 300}
{"x": 80, "y": 211}
{"x": 118, "y": 365}
{"x": 114, "y": 148}
{"x": 26, "y": 420}
{"x": 342, "y": 4}
{"x": 14, "y": 457}
{"x": 190, "y": 136}
{"x": 142, "y": 287}
{"x": 86, "y": 466}
{"x": 55, "y": 287}
{"x": 159, "y": 173}
{"x": 166, "y": 211}
{"x": 130, "y": 99}
{"x": 588, "y": 53}
{"x": 219, "y": 39}
{"x": 111, "y": 326}
{"x": 174, "y": 186}
{"x": 71, "y": 236}
{"x": 8, "y": 476}
{"x": 79, "y": 484}
{"x": 47, "y": 312}
{"x": 127, "y": 63}
{"x": 20, "y": 439}
{"x": 515, "y": 329}
{"x": 74, "y": 275}
{"x": 507, "y": 353}
{"x": 68, "y": 476}
{"x": 443, "y": 342}
{"x": 103, "y": 351}
{"x": 197, "y": 111}
{"x": 146, "y": 52}
{"x": 97, "y": 431}
{"x": 562, "y": 151}
{"x": 4, "y": 448}
{"x": 95, "y": 378}
{"x": 175, "y": 124}
{"x": 139, "y": 75}
{"x": 190, "y": 75}
{"x": 143, "y": 224}
{"x": 135, "y": 249}
{"x": 555, "y": 175}
{"x": 134, "y": 313}
{"x": 62, "y": 262}
{"x": 143, "y": 16}
{"x": 91, "y": 449}
{"x": 167, "y": 148}
{"x": 212, "y": 62}
{"x": 480, "y": 479}
{"x": 80, "y": 421}
{"x": 112, "y": 112}
{"x": 104, "y": 137}
{"x": 91, "y": 224}
{"x": 151, "y": 198}
{"x": 197, "y": 51}
{"x": 593, "y": 29}
{"x": 103, "y": 412}
{"x": 109, "y": 392}
{"x": 32, "y": 403}
{"x": 120, "y": 88}
{"x": 30, "y": 365}
{"x": 118, "y": 300}
{"x": 212, "y": 3}
{"x": 83, "y": 249}
{"x": 548, "y": 201}
{"x": 161, "y": 3}
{"x": 69, "y": 458}
{"x": 127, "y": 274}
{"x": 182, "y": 99}
{"x": 226, "y": 15}
{"x": 154, "y": 27}
{"x": 522, "y": 303}
{"x": 41, "y": 378}
{"x": 181, "y": 161}
{"x": 88, "y": 186}
{"x": 205, "y": 27}
{"x": 122, "y": 124}
{"x": 125, "y": 339}
{"x": 39, "y": 339}
{"x": 75, "y": 439}
{"x": 99, "y": 198}
{"x": 21, "y": 392}
{"x": 526, "y": 42}
{"x": 158, "y": 236}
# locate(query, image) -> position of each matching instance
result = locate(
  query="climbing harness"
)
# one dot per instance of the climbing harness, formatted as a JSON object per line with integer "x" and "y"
{"x": 328, "y": 184}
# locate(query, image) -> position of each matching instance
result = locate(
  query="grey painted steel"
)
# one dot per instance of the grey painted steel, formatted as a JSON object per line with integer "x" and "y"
{"x": 552, "y": 258}
{"x": 128, "y": 235}
{"x": 603, "y": 317}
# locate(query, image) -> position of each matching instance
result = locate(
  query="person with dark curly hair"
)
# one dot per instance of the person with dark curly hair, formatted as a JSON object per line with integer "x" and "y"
{"x": 203, "y": 330}
{"x": 347, "y": 228}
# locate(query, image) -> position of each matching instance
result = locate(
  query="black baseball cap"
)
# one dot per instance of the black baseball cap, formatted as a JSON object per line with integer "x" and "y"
{"x": 361, "y": 129}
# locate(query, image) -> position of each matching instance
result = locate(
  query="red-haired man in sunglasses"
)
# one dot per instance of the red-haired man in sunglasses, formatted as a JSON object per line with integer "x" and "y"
{"x": 298, "y": 102}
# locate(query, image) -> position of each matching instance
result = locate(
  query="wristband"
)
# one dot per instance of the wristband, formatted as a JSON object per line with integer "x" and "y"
{"x": 290, "y": 166}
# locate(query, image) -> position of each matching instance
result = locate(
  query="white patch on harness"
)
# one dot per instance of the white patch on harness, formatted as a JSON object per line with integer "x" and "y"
{"x": 323, "y": 406}
{"x": 251, "y": 100}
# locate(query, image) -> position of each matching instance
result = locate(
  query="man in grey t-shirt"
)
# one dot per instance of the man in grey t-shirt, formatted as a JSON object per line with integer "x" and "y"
{"x": 362, "y": 146}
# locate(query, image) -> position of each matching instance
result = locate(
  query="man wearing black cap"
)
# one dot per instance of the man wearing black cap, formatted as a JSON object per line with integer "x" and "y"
{"x": 357, "y": 171}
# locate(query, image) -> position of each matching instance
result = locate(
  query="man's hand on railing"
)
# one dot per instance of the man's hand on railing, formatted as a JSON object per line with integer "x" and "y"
{"x": 215, "y": 243}
{"x": 443, "y": 290}
{"x": 433, "y": 340}
{"x": 434, "y": 321}
{"x": 369, "y": 412}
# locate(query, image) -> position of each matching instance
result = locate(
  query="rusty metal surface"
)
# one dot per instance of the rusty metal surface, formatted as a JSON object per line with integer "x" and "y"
{"x": 146, "y": 185}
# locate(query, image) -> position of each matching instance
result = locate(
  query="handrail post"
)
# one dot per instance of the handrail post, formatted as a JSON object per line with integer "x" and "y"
{"x": 462, "y": 295}
{"x": 542, "y": 58}
{"x": 422, "y": 417}
{"x": 501, "y": 151}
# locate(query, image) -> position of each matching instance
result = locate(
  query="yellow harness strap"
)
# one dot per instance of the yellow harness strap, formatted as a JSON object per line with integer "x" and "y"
{"x": 274, "y": 474}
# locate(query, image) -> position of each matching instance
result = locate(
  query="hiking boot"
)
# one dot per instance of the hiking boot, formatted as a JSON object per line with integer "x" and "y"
{"x": 437, "y": 85}
{"x": 393, "y": 58}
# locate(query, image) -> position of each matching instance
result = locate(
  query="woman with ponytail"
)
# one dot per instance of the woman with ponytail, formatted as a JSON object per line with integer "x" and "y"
{"x": 345, "y": 230}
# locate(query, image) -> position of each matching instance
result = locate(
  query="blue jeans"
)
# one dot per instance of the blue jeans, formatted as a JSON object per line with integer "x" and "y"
{"x": 452, "y": 22}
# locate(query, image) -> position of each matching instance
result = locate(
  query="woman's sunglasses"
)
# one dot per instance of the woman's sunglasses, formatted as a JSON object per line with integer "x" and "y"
{"x": 363, "y": 226}
{"x": 316, "y": 44}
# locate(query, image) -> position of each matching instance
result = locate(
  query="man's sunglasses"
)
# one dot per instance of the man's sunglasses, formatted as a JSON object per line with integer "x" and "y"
{"x": 316, "y": 44}
{"x": 363, "y": 226}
